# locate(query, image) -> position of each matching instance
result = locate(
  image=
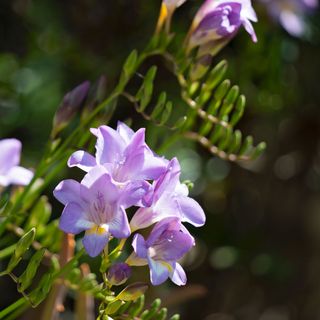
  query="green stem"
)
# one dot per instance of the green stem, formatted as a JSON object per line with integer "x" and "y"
{"x": 19, "y": 303}
{"x": 7, "y": 251}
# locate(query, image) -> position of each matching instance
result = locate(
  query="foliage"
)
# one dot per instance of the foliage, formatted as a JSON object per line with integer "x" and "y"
{"x": 212, "y": 108}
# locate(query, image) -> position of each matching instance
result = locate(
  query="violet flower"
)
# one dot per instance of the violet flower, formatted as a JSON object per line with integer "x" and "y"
{"x": 10, "y": 172}
{"x": 168, "y": 198}
{"x": 123, "y": 153}
{"x": 167, "y": 243}
{"x": 119, "y": 273}
{"x": 291, "y": 14}
{"x": 218, "y": 21}
{"x": 97, "y": 206}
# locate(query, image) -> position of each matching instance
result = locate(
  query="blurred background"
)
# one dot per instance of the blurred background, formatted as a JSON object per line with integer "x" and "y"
{"x": 258, "y": 256}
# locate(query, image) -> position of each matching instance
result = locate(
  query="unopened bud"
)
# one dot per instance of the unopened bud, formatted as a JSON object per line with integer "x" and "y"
{"x": 119, "y": 273}
{"x": 69, "y": 106}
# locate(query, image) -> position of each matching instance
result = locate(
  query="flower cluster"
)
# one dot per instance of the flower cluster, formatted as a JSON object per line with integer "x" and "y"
{"x": 126, "y": 173}
{"x": 10, "y": 171}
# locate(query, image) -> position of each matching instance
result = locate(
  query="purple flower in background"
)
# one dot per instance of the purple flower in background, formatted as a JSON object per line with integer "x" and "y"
{"x": 167, "y": 9}
{"x": 97, "y": 206}
{"x": 291, "y": 13}
{"x": 218, "y": 21}
{"x": 166, "y": 244}
{"x": 123, "y": 153}
{"x": 168, "y": 198}
{"x": 173, "y": 4}
{"x": 119, "y": 273}
{"x": 10, "y": 172}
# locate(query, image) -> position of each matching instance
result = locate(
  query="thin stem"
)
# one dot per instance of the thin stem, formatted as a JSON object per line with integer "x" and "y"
{"x": 12, "y": 307}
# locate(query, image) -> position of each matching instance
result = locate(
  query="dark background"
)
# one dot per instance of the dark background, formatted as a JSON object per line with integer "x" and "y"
{"x": 258, "y": 256}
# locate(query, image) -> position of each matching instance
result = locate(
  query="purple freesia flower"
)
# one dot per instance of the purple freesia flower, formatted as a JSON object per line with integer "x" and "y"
{"x": 123, "y": 153}
{"x": 168, "y": 198}
{"x": 291, "y": 14}
{"x": 218, "y": 21}
{"x": 167, "y": 243}
{"x": 10, "y": 172}
{"x": 97, "y": 206}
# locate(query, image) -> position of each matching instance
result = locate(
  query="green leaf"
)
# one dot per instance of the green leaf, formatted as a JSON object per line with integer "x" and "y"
{"x": 22, "y": 246}
{"x": 132, "y": 292}
{"x": 247, "y": 146}
{"x": 235, "y": 144}
{"x": 229, "y": 100}
{"x": 216, "y": 75}
{"x": 130, "y": 64}
{"x": 42, "y": 290}
{"x": 222, "y": 90}
{"x": 159, "y": 106}
{"x": 238, "y": 111}
{"x": 25, "y": 280}
{"x": 166, "y": 113}
{"x": 162, "y": 315}
{"x": 39, "y": 216}
{"x": 137, "y": 307}
{"x": 148, "y": 314}
{"x": 259, "y": 149}
{"x": 145, "y": 93}
{"x": 113, "y": 307}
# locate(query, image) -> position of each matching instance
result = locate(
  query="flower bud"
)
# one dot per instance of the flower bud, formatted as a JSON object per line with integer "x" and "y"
{"x": 167, "y": 9}
{"x": 217, "y": 22}
{"x": 119, "y": 273}
{"x": 69, "y": 106}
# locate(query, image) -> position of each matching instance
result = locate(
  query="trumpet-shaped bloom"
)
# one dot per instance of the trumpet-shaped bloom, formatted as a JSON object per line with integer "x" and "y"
{"x": 168, "y": 198}
{"x": 123, "y": 153}
{"x": 217, "y": 21}
{"x": 97, "y": 206}
{"x": 166, "y": 244}
{"x": 10, "y": 172}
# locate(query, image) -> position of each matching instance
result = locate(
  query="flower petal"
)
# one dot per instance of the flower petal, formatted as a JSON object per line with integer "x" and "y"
{"x": 178, "y": 276}
{"x": 94, "y": 242}
{"x": 133, "y": 193}
{"x": 134, "y": 260}
{"x": 110, "y": 145}
{"x": 74, "y": 219}
{"x": 134, "y": 157}
{"x": 162, "y": 226}
{"x": 139, "y": 246}
{"x": 143, "y": 218}
{"x": 9, "y": 155}
{"x": 191, "y": 211}
{"x": 83, "y": 160}
{"x": 119, "y": 226}
{"x": 172, "y": 245}
{"x": 159, "y": 273}
{"x": 125, "y": 132}
{"x": 168, "y": 181}
{"x": 19, "y": 175}
{"x": 99, "y": 183}
{"x": 68, "y": 191}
